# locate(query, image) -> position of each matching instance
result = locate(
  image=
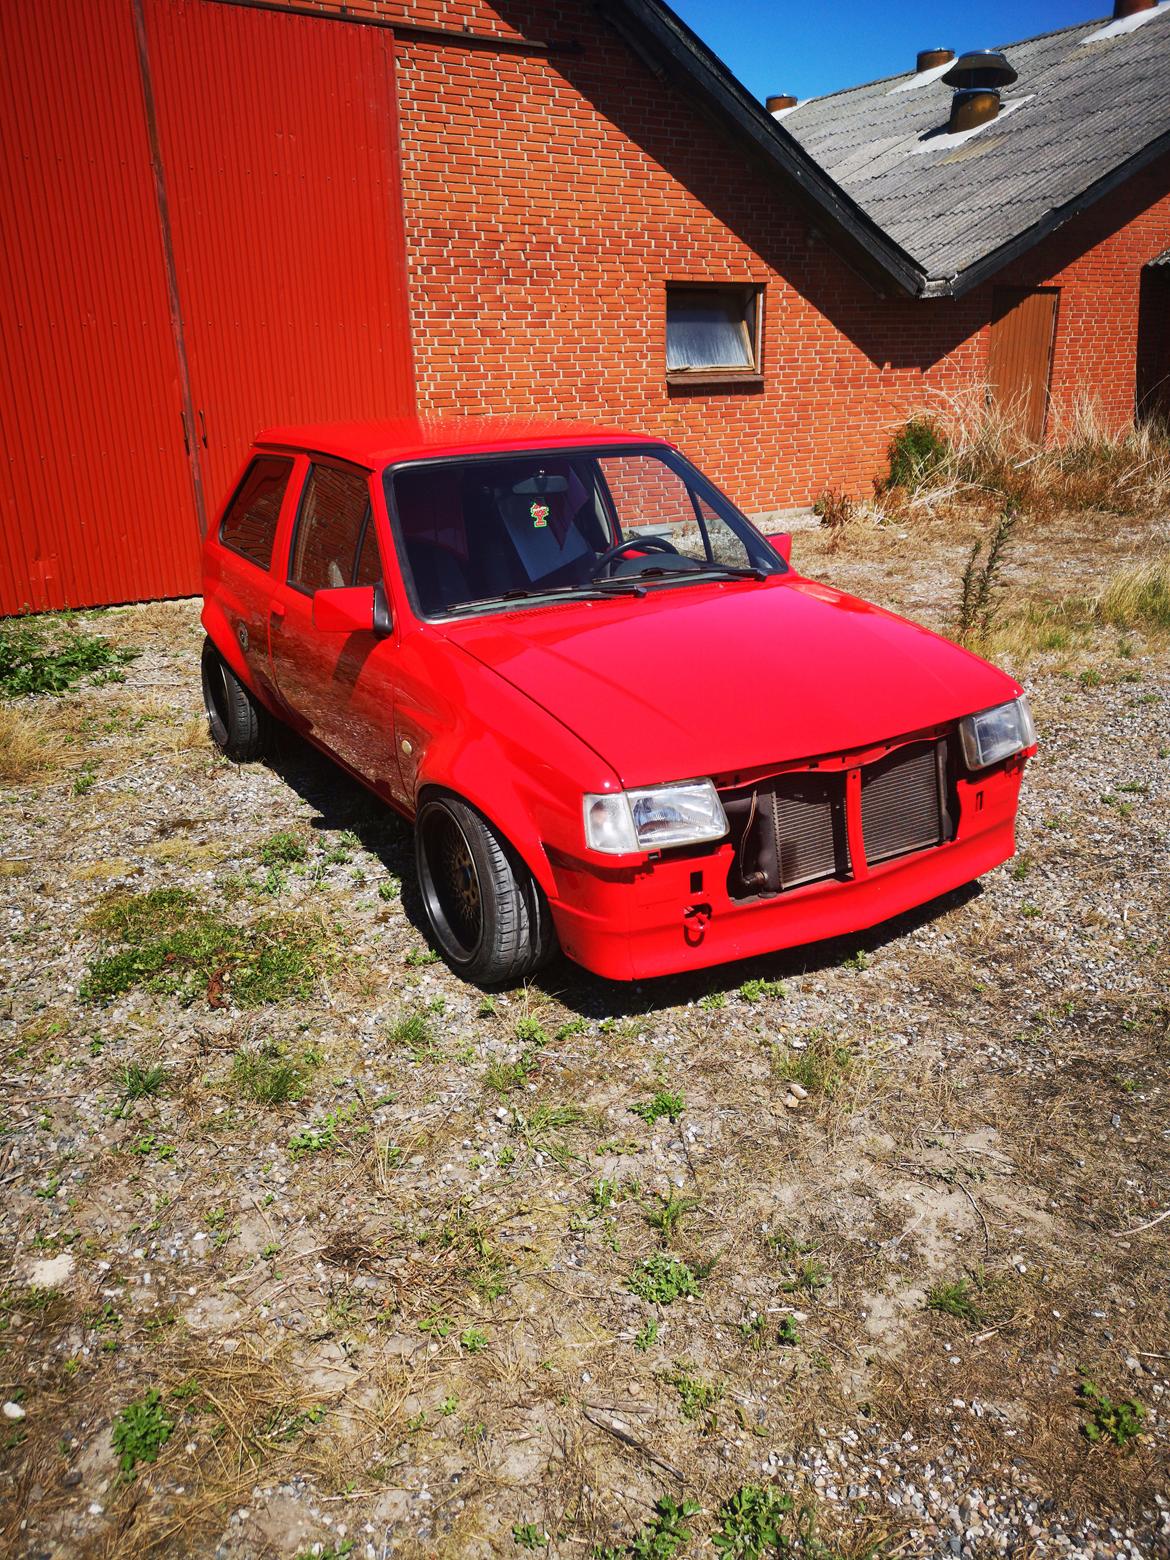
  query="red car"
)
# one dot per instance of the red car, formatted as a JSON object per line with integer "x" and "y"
{"x": 618, "y": 718}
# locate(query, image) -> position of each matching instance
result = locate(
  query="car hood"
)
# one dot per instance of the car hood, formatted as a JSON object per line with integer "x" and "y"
{"x": 708, "y": 679}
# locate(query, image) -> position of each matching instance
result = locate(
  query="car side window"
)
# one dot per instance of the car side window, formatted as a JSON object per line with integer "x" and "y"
{"x": 331, "y": 528}
{"x": 249, "y": 526}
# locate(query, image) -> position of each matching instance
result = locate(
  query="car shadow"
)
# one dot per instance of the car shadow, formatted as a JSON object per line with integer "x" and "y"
{"x": 341, "y": 803}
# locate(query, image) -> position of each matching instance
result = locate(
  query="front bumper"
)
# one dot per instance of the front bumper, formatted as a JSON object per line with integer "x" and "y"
{"x": 663, "y": 917}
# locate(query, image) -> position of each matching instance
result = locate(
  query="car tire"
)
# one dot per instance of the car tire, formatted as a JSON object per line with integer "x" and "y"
{"x": 486, "y": 911}
{"x": 239, "y": 725}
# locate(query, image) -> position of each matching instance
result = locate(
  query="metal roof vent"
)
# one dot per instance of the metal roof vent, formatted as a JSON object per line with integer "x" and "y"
{"x": 977, "y": 78}
{"x": 931, "y": 59}
{"x": 1124, "y": 8}
{"x": 777, "y": 104}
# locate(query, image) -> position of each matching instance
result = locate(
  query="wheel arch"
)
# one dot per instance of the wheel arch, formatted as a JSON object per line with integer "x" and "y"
{"x": 219, "y": 632}
{"x": 508, "y": 817}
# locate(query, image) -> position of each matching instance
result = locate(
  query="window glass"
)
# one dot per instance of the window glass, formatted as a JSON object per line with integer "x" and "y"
{"x": 710, "y": 327}
{"x": 658, "y": 501}
{"x": 329, "y": 529}
{"x": 249, "y": 527}
{"x": 369, "y": 564}
{"x": 526, "y": 526}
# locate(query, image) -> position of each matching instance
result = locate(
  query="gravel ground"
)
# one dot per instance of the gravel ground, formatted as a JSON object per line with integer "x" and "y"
{"x": 392, "y": 1313}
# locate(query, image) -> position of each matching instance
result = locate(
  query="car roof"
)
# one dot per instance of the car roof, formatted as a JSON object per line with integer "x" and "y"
{"x": 382, "y": 442}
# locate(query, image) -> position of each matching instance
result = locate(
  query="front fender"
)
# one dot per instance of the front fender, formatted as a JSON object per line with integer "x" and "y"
{"x": 219, "y": 631}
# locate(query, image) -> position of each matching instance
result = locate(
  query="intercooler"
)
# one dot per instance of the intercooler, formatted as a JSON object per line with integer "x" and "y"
{"x": 794, "y": 828}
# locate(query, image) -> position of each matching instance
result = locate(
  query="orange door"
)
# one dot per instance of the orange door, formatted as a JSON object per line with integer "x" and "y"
{"x": 1019, "y": 364}
{"x": 278, "y": 141}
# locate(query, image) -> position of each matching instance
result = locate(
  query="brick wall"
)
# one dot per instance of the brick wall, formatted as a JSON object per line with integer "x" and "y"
{"x": 550, "y": 197}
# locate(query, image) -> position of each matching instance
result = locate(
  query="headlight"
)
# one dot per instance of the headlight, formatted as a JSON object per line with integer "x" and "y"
{"x": 654, "y": 817}
{"x": 996, "y": 734}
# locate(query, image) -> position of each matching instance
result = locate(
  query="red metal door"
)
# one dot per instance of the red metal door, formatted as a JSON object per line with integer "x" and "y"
{"x": 95, "y": 493}
{"x": 278, "y": 138}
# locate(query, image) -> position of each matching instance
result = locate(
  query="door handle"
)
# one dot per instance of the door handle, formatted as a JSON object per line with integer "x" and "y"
{"x": 276, "y": 614}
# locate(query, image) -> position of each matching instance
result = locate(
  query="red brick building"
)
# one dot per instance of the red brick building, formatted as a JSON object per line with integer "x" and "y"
{"x": 228, "y": 214}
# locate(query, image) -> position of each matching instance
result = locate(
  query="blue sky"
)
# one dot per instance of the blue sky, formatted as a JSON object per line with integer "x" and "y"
{"x": 812, "y": 48}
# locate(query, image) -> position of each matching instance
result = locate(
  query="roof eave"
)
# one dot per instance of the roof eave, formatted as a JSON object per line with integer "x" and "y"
{"x": 671, "y": 38}
{"x": 988, "y": 265}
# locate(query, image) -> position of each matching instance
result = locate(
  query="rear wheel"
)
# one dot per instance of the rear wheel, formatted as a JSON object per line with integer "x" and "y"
{"x": 486, "y": 910}
{"x": 239, "y": 725}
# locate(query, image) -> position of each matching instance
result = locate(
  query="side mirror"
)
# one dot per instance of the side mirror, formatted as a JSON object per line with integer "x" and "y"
{"x": 781, "y": 544}
{"x": 351, "y": 609}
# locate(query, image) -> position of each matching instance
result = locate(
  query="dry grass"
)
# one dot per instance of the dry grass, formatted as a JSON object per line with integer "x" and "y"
{"x": 1089, "y": 463}
{"x": 30, "y": 748}
{"x": 1138, "y": 597}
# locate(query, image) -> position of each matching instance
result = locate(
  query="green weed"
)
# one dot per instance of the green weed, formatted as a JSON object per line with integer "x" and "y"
{"x": 915, "y": 453}
{"x": 267, "y": 1076}
{"x": 526, "y": 1535}
{"x": 697, "y": 1398}
{"x": 283, "y": 850}
{"x": 52, "y": 655}
{"x": 662, "y": 1279}
{"x": 667, "y": 1219}
{"x": 141, "y": 1430}
{"x": 1120, "y": 1422}
{"x": 759, "y": 990}
{"x": 663, "y": 1104}
{"x": 660, "y": 1539}
{"x": 957, "y": 1300}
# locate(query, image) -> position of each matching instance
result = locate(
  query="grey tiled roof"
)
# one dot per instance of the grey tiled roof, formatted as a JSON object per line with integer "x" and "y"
{"x": 1083, "y": 110}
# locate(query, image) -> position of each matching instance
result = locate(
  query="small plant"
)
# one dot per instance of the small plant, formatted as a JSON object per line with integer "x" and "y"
{"x": 915, "y": 453}
{"x": 752, "y": 1330}
{"x": 486, "y": 1008}
{"x": 141, "y": 1430}
{"x": 751, "y": 1524}
{"x": 697, "y": 1398}
{"x": 530, "y": 1031}
{"x": 526, "y": 1535}
{"x": 807, "y": 1276}
{"x": 670, "y": 1215}
{"x": 663, "y": 1104}
{"x": 267, "y": 1076}
{"x": 283, "y": 850}
{"x": 786, "y": 1334}
{"x": 759, "y": 990}
{"x": 660, "y": 1539}
{"x": 713, "y": 1001}
{"x": 417, "y": 956}
{"x": 821, "y": 1067}
{"x": 603, "y": 1193}
{"x": 957, "y": 1300}
{"x": 661, "y": 1279}
{"x": 857, "y": 961}
{"x": 1120, "y": 1422}
{"x": 413, "y": 1033}
{"x": 472, "y": 1340}
{"x": 646, "y": 1337}
{"x": 84, "y": 781}
{"x": 982, "y": 582}
{"x": 136, "y": 1082}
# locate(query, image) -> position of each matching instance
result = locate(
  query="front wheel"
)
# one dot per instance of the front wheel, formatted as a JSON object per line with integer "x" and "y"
{"x": 486, "y": 910}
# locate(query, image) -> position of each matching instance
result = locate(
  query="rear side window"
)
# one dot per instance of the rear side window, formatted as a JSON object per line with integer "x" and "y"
{"x": 249, "y": 527}
{"x": 331, "y": 528}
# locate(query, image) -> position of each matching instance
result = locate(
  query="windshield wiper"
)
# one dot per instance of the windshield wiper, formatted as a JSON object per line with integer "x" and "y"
{"x": 596, "y": 589}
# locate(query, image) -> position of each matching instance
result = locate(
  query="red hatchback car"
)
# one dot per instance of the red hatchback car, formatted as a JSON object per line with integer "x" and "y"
{"x": 618, "y": 718}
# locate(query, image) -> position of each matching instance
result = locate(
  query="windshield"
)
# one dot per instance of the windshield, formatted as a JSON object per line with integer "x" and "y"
{"x": 474, "y": 532}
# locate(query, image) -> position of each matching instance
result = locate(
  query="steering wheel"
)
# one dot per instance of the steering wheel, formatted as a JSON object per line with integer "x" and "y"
{"x": 632, "y": 543}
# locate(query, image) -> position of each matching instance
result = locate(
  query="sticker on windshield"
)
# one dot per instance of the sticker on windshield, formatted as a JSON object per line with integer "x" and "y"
{"x": 539, "y": 513}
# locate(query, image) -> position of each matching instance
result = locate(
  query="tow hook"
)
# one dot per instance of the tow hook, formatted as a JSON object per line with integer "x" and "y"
{"x": 695, "y": 919}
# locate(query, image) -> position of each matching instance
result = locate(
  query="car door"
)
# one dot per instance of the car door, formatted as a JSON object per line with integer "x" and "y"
{"x": 248, "y": 536}
{"x": 338, "y": 687}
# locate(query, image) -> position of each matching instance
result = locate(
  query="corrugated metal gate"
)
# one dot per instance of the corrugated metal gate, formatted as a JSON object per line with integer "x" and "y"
{"x": 274, "y": 211}
{"x": 1019, "y": 363}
